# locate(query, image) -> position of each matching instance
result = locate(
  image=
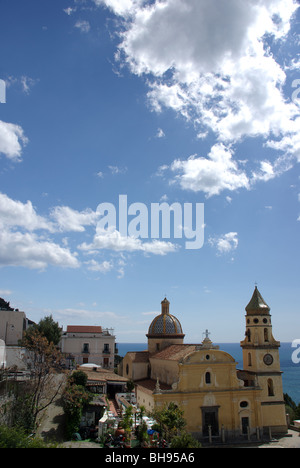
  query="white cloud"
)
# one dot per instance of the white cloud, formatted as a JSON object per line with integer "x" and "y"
{"x": 31, "y": 251}
{"x": 16, "y": 213}
{"x": 68, "y": 219}
{"x": 70, "y": 10}
{"x": 160, "y": 133}
{"x": 103, "y": 267}
{"x": 111, "y": 239}
{"x": 121, "y": 7}
{"x": 12, "y": 141}
{"x": 20, "y": 246}
{"x": 210, "y": 175}
{"x": 225, "y": 243}
{"x": 213, "y": 63}
{"x": 83, "y": 26}
{"x": 117, "y": 170}
{"x": 269, "y": 170}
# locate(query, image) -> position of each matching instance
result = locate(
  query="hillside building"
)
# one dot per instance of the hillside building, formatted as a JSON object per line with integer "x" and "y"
{"x": 89, "y": 344}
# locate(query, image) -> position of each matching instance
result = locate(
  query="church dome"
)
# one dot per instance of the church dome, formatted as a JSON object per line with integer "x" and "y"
{"x": 165, "y": 324}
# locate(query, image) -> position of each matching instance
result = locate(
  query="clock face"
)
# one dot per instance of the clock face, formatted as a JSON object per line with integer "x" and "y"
{"x": 268, "y": 359}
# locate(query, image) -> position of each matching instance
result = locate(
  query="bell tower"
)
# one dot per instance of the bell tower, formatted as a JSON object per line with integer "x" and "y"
{"x": 262, "y": 363}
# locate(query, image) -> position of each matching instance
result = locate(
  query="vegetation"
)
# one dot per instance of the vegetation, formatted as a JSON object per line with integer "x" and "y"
{"x": 170, "y": 420}
{"x": 127, "y": 422}
{"x": 171, "y": 426}
{"x": 5, "y": 305}
{"x": 12, "y": 437}
{"x": 48, "y": 328}
{"x": 184, "y": 441}
{"x": 75, "y": 397}
{"x": 291, "y": 408}
{"x": 44, "y": 385}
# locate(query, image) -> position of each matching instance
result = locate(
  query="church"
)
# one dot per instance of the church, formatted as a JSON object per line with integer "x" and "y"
{"x": 218, "y": 400}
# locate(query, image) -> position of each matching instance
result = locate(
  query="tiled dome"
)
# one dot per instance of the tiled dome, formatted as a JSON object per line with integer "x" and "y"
{"x": 165, "y": 323}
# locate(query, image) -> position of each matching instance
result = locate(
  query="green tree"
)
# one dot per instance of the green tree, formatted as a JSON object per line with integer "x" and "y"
{"x": 127, "y": 422}
{"x": 75, "y": 397}
{"x": 170, "y": 420}
{"x": 79, "y": 378}
{"x": 48, "y": 328}
{"x": 5, "y": 305}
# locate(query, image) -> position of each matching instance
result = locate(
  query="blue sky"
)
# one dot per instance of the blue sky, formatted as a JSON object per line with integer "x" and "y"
{"x": 175, "y": 101}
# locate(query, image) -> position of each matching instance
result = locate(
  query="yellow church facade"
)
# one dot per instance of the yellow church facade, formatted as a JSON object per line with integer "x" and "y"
{"x": 218, "y": 400}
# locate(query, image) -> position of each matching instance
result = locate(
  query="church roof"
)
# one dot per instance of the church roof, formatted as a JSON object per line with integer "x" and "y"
{"x": 175, "y": 352}
{"x": 257, "y": 304}
{"x": 165, "y": 323}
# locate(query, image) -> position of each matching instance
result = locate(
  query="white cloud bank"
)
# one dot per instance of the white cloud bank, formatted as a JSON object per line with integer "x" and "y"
{"x": 212, "y": 63}
{"x": 25, "y": 241}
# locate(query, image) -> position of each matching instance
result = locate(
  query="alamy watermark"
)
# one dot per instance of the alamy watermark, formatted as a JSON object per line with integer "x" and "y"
{"x": 2, "y": 92}
{"x": 296, "y": 353}
{"x": 160, "y": 221}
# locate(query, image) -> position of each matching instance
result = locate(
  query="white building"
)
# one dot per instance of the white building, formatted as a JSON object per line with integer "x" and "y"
{"x": 89, "y": 344}
{"x": 13, "y": 323}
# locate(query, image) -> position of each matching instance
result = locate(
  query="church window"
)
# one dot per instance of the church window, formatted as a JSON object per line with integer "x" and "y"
{"x": 127, "y": 369}
{"x": 249, "y": 360}
{"x": 207, "y": 378}
{"x": 244, "y": 404}
{"x": 270, "y": 387}
{"x": 265, "y": 320}
{"x": 207, "y": 357}
{"x": 256, "y": 320}
{"x": 248, "y": 333}
{"x": 266, "y": 335}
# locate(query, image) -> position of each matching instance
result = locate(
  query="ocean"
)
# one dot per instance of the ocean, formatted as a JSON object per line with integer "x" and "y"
{"x": 291, "y": 371}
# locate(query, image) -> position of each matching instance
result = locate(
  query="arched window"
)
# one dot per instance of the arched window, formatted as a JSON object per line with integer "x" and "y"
{"x": 266, "y": 334}
{"x": 270, "y": 387}
{"x": 207, "y": 378}
{"x": 249, "y": 360}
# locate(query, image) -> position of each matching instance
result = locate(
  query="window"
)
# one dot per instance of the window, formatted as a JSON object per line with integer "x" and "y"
{"x": 270, "y": 387}
{"x": 106, "y": 362}
{"x": 106, "y": 348}
{"x": 86, "y": 348}
{"x": 249, "y": 360}
{"x": 207, "y": 378}
{"x": 244, "y": 404}
{"x": 266, "y": 334}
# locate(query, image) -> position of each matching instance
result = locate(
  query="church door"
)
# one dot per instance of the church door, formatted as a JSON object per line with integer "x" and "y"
{"x": 210, "y": 418}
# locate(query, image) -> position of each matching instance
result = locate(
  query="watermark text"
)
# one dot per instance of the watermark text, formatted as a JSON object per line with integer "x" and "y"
{"x": 2, "y": 92}
{"x": 296, "y": 353}
{"x": 160, "y": 220}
